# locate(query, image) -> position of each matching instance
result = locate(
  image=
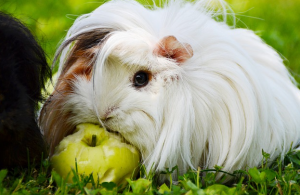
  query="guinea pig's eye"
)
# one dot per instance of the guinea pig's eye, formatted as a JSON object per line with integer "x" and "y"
{"x": 140, "y": 79}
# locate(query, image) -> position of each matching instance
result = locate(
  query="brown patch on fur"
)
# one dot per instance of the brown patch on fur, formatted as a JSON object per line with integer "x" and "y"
{"x": 80, "y": 68}
{"x": 54, "y": 121}
{"x": 54, "y": 118}
{"x": 170, "y": 47}
{"x": 84, "y": 46}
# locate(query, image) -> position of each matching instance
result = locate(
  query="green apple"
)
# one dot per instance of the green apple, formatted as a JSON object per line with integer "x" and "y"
{"x": 97, "y": 151}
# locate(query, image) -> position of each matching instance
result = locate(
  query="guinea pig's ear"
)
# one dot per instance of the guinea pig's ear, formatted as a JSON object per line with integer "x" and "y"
{"x": 77, "y": 62}
{"x": 170, "y": 47}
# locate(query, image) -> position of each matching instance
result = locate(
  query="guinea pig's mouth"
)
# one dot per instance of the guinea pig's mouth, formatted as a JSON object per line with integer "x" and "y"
{"x": 112, "y": 131}
{"x": 117, "y": 134}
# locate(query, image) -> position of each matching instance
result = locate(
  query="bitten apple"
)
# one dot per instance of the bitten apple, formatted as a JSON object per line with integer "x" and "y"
{"x": 97, "y": 151}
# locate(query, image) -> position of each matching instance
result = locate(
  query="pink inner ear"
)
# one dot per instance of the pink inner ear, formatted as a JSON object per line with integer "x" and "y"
{"x": 170, "y": 47}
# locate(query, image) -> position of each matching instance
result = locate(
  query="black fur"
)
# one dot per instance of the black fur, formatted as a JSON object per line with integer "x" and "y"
{"x": 23, "y": 73}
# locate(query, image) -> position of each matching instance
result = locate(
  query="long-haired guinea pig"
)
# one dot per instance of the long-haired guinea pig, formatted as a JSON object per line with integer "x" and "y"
{"x": 23, "y": 71}
{"x": 182, "y": 86}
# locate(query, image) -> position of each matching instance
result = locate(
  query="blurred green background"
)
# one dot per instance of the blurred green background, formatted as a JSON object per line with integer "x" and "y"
{"x": 276, "y": 21}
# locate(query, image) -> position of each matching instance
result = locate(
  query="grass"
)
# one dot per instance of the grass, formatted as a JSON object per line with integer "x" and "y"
{"x": 276, "y": 21}
{"x": 281, "y": 178}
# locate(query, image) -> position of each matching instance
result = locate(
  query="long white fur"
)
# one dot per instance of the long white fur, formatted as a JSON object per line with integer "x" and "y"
{"x": 231, "y": 100}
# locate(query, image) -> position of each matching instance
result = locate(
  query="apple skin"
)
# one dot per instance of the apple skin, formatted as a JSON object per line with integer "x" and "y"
{"x": 110, "y": 160}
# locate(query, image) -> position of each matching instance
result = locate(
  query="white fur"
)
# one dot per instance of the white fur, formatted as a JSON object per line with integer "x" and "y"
{"x": 231, "y": 100}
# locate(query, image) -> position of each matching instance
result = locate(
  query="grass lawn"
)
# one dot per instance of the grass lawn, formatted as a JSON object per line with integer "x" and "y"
{"x": 281, "y": 178}
{"x": 276, "y": 21}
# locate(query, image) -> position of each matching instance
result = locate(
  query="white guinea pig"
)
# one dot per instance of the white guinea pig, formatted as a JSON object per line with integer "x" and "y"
{"x": 182, "y": 87}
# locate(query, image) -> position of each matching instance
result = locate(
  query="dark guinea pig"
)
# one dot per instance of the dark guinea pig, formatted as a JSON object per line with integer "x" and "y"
{"x": 23, "y": 73}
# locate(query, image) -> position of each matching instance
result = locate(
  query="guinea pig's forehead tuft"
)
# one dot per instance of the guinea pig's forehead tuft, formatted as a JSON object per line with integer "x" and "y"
{"x": 134, "y": 49}
{"x": 127, "y": 46}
